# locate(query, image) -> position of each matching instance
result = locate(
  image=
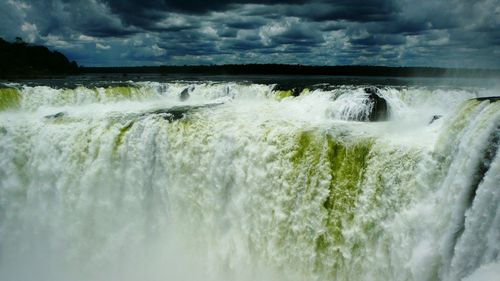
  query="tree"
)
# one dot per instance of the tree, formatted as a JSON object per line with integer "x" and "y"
{"x": 19, "y": 59}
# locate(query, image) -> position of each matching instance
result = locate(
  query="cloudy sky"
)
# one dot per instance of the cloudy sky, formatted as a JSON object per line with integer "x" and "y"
{"x": 453, "y": 33}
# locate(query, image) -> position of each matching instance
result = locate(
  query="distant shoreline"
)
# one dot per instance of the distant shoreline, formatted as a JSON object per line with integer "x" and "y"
{"x": 286, "y": 69}
{"x": 261, "y": 71}
{"x": 20, "y": 60}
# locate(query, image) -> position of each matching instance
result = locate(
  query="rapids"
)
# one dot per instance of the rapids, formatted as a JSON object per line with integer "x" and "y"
{"x": 247, "y": 183}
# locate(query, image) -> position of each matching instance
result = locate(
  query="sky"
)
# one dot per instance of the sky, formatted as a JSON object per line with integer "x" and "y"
{"x": 443, "y": 33}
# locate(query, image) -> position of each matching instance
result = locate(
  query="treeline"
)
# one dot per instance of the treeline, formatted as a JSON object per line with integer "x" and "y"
{"x": 20, "y": 59}
{"x": 287, "y": 69}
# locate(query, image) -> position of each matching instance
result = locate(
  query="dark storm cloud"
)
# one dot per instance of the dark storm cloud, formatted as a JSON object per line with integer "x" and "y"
{"x": 63, "y": 16}
{"x": 298, "y": 35}
{"x": 354, "y": 10}
{"x": 379, "y": 39}
{"x": 146, "y": 12}
{"x": 244, "y": 45}
{"x": 227, "y": 32}
{"x": 186, "y": 6}
{"x": 249, "y": 23}
{"x": 390, "y": 32}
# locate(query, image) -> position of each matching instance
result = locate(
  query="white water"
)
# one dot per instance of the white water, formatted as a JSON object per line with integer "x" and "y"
{"x": 256, "y": 188}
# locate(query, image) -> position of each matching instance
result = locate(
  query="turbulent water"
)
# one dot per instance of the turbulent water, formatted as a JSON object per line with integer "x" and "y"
{"x": 241, "y": 182}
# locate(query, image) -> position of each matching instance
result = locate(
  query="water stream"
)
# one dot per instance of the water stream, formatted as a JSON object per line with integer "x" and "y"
{"x": 241, "y": 182}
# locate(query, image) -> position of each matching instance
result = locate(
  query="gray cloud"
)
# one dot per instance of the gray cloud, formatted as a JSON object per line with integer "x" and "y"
{"x": 387, "y": 32}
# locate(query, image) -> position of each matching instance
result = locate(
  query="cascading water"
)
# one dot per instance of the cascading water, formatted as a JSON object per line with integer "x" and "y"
{"x": 239, "y": 182}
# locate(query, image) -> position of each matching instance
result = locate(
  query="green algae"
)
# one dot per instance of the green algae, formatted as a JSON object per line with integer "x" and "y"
{"x": 81, "y": 148}
{"x": 303, "y": 141}
{"x": 280, "y": 95}
{"x": 347, "y": 164}
{"x": 9, "y": 98}
{"x": 127, "y": 92}
{"x": 319, "y": 156}
{"x": 121, "y": 135}
{"x": 283, "y": 94}
{"x": 305, "y": 92}
{"x": 122, "y": 91}
{"x": 66, "y": 96}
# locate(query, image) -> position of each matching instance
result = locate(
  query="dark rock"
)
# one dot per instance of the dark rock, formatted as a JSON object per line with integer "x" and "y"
{"x": 491, "y": 99}
{"x": 380, "y": 109}
{"x": 296, "y": 90}
{"x": 162, "y": 88}
{"x": 185, "y": 93}
{"x": 178, "y": 112}
{"x": 172, "y": 114}
{"x": 57, "y": 115}
{"x": 3, "y": 131}
{"x": 434, "y": 118}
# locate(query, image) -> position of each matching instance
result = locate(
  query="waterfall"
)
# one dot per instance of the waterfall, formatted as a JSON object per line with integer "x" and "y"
{"x": 236, "y": 181}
